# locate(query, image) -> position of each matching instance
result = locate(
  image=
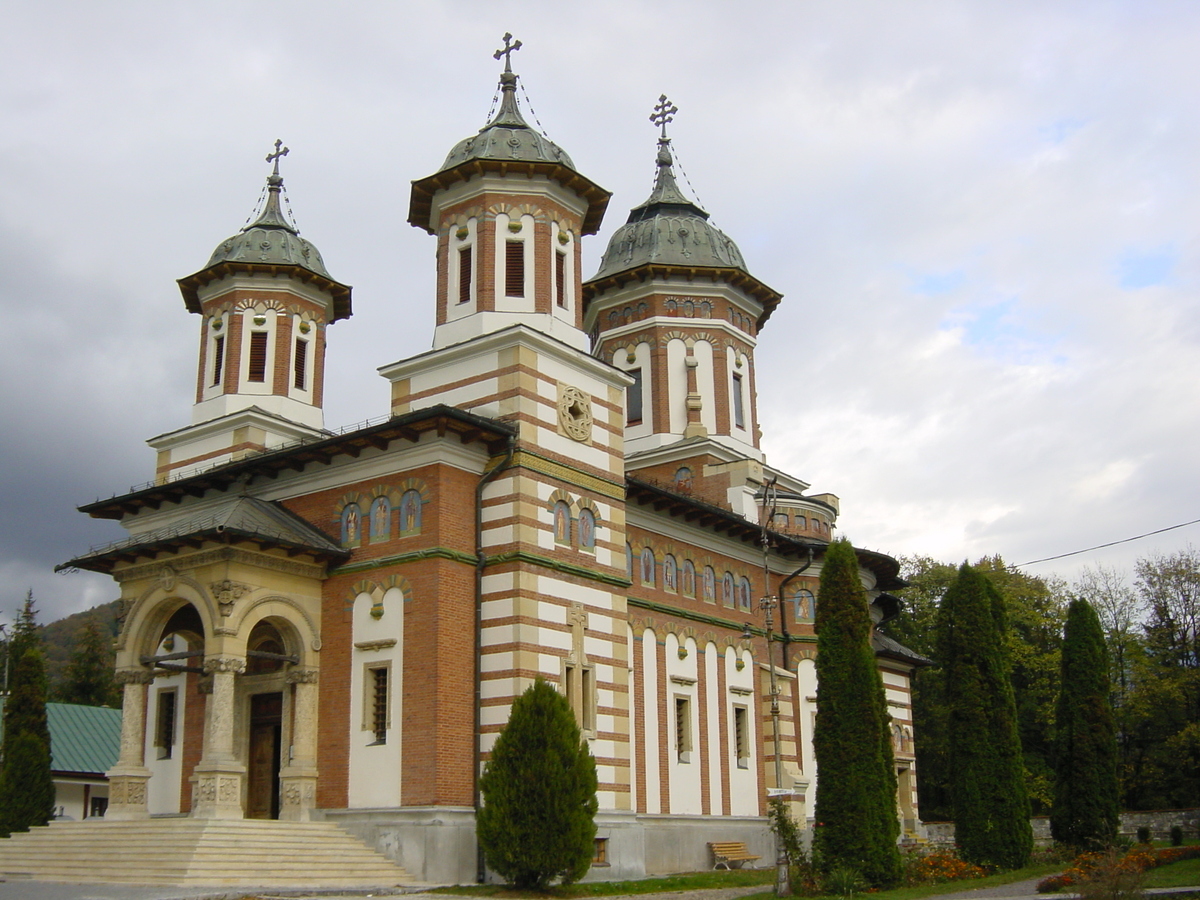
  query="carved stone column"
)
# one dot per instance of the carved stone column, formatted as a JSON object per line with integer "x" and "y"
{"x": 298, "y": 778}
{"x": 127, "y": 779}
{"x": 219, "y": 776}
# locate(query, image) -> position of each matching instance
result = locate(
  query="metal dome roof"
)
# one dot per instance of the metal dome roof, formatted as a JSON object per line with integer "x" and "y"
{"x": 270, "y": 239}
{"x": 668, "y": 229}
{"x": 508, "y": 136}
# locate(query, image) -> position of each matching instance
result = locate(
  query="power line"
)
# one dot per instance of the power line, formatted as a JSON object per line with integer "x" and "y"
{"x": 1109, "y": 544}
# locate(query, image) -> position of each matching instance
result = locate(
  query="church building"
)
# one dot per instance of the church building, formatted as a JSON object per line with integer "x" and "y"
{"x": 333, "y": 625}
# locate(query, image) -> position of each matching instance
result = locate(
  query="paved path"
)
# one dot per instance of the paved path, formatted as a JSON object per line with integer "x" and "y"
{"x": 40, "y": 890}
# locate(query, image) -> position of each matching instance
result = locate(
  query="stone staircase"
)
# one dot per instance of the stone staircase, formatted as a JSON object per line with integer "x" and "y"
{"x": 186, "y": 852}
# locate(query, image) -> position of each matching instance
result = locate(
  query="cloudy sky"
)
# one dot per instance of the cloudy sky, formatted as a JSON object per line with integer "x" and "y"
{"x": 983, "y": 217}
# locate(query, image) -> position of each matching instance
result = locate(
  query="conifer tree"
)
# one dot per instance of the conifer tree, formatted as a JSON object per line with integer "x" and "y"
{"x": 89, "y": 673}
{"x": 987, "y": 773}
{"x": 856, "y": 777}
{"x": 1086, "y": 811}
{"x": 537, "y": 823}
{"x": 26, "y": 785}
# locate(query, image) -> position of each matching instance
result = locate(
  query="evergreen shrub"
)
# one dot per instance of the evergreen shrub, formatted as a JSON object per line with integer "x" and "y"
{"x": 987, "y": 771}
{"x": 537, "y": 824}
{"x": 856, "y": 803}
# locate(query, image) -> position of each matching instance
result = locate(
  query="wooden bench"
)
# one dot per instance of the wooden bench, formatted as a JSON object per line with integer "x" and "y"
{"x": 726, "y": 853}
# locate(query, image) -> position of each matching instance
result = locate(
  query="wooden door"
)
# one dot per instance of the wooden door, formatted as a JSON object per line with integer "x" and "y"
{"x": 266, "y": 718}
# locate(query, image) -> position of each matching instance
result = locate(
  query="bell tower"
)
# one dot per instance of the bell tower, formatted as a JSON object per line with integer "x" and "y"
{"x": 265, "y": 300}
{"x": 674, "y": 306}
{"x": 508, "y": 208}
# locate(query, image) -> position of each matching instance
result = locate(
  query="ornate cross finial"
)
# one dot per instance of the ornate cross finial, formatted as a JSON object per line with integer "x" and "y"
{"x": 664, "y": 112}
{"x": 274, "y": 157}
{"x": 507, "y": 52}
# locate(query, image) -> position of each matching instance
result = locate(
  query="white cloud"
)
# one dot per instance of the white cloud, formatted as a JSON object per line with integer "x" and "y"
{"x": 982, "y": 217}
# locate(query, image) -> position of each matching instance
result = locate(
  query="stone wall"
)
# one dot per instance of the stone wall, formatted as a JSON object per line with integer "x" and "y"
{"x": 1159, "y": 821}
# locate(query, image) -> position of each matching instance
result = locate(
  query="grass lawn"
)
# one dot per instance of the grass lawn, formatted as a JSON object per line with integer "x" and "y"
{"x": 1178, "y": 874}
{"x": 950, "y": 887}
{"x": 691, "y": 881}
{"x": 1181, "y": 874}
{"x": 696, "y": 881}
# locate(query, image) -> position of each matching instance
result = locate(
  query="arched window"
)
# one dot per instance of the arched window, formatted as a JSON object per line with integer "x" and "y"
{"x": 683, "y": 480}
{"x": 689, "y": 579}
{"x": 669, "y": 574}
{"x": 381, "y": 519}
{"x": 744, "y": 598}
{"x": 562, "y": 523}
{"x": 710, "y": 585}
{"x": 805, "y": 605}
{"x": 801, "y": 522}
{"x": 648, "y": 566}
{"x": 410, "y": 512}
{"x": 727, "y": 589}
{"x": 587, "y": 529}
{"x": 351, "y": 525}
{"x": 780, "y": 520}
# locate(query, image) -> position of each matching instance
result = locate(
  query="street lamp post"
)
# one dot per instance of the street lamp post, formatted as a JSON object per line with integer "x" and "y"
{"x": 767, "y": 604}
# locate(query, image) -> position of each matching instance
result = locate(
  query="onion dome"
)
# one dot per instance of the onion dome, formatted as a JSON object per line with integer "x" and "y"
{"x": 270, "y": 241}
{"x": 670, "y": 232}
{"x": 507, "y": 144}
{"x": 668, "y": 228}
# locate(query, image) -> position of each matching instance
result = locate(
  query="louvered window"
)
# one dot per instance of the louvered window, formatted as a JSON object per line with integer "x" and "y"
{"x": 300, "y": 367}
{"x": 683, "y": 729}
{"x": 258, "y": 356}
{"x": 560, "y": 278}
{"x": 514, "y": 268}
{"x": 741, "y": 745}
{"x": 164, "y": 738}
{"x": 218, "y": 358}
{"x": 464, "y": 274}
{"x": 633, "y": 398}
{"x": 380, "y": 704}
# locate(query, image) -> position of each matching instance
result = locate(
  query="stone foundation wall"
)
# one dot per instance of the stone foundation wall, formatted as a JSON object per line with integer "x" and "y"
{"x": 437, "y": 844}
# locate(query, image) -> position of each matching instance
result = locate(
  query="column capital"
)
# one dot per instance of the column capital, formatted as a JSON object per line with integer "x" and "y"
{"x": 220, "y": 664}
{"x": 137, "y": 675}
{"x": 302, "y": 675}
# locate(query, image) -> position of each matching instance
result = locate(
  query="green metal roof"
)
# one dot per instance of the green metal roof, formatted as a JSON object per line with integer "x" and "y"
{"x": 83, "y": 739}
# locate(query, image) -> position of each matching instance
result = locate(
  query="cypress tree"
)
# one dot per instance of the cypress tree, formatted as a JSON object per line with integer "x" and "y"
{"x": 856, "y": 777}
{"x": 987, "y": 772}
{"x": 1086, "y": 811}
{"x": 539, "y": 789}
{"x": 26, "y": 785}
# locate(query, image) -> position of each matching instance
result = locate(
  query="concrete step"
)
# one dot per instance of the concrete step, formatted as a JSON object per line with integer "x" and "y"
{"x": 181, "y": 851}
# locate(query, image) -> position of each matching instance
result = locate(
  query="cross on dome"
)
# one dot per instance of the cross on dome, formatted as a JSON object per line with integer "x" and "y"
{"x": 664, "y": 112}
{"x": 274, "y": 157}
{"x": 507, "y": 52}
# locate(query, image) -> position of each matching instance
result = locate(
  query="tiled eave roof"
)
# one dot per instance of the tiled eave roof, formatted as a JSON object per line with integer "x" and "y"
{"x": 442, "y": 420}
{"x": 768, "y": 297}
{"x": 190, "y": 286}
{"x": 886, "y": 646}
{"x": 264, "y": 524}
{"x": 681, "y": 506}
{"x": 420, "y": 206}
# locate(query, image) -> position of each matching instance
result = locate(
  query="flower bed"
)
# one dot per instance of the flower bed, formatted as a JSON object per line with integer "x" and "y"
{"x": 1139, "y": 858}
